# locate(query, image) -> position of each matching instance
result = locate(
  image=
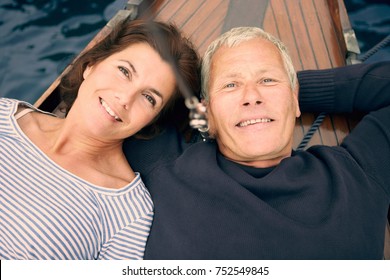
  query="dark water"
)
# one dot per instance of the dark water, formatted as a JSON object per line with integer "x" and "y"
{"x": 39, "y": 37}
{"x": 370, "y": 20}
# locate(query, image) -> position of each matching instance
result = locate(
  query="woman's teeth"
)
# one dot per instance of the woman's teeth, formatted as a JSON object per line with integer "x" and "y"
{"x": 109, "y": 110}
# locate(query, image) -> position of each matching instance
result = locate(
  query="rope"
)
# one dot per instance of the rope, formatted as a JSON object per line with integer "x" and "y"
{"x": 309, "y": 134}
{"x": 374, "y": 49}
{"x": 316, "y": 124}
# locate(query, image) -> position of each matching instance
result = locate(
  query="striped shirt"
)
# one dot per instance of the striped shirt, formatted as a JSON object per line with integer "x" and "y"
{"x": 47, "y": 212}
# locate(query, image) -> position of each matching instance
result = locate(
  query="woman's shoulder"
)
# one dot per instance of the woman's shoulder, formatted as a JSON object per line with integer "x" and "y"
{"x": 8, "y": 104}
{"x": 15, "y": 106}
{"x": 10, "y": 108}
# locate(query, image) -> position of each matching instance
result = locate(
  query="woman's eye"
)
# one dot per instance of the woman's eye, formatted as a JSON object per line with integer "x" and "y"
{"x": 124, "y": 71}
{"x": 150, "y": 99}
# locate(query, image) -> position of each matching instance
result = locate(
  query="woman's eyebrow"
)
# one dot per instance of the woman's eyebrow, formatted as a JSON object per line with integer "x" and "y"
{"x": 156, "y": 92}
{"x": 130, "y": 65}
{"x": 153, "y": 90}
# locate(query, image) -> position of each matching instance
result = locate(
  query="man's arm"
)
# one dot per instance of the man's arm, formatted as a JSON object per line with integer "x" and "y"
{"x": 360, "y": 87}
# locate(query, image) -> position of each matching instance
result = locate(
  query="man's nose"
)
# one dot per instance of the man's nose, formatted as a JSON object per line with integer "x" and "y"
{"x": 251, "y": 95}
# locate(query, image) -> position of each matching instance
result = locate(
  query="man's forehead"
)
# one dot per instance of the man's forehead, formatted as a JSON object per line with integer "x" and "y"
{"x": 247, "y": 51}
{"x": 232, "y": 63}
{"x": 257, "y": 42}
{"x": 253, "y": 69}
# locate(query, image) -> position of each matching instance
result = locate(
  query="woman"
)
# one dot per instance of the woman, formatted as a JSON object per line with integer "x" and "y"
{"x": 66, "y": 189}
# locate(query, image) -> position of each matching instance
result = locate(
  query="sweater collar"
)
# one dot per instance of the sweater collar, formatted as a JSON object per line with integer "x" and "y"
{"x": 230, "y": 168}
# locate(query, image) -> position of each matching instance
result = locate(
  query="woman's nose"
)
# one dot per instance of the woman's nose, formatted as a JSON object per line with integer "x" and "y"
{"x": 124, "y": 97}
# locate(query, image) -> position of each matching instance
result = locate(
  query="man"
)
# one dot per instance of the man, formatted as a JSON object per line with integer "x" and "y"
{"x": 248, "y": 195}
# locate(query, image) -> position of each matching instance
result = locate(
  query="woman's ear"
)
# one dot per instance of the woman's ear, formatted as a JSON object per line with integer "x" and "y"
{"x": 87, "y": 71}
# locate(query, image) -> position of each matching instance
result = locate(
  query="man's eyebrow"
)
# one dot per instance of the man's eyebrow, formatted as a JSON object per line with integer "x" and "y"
{"x": 130, "y": 65}
{"x": 230, "y": 75}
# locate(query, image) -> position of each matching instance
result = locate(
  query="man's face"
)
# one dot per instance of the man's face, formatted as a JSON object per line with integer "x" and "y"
{"x": 252, "y": 108}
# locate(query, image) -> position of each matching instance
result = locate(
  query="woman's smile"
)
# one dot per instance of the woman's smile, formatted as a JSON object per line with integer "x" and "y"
{"x": 109, "y": 110}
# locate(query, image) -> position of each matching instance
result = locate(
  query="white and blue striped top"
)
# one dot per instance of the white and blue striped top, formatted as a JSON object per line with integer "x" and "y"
{"x": 47, "y": 212}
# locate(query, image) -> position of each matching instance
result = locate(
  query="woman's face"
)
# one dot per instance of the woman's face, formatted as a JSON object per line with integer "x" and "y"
{"x": 125, "y": 92}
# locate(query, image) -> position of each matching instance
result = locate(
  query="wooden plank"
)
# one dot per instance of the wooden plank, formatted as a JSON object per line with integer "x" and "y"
{"x": 248, "y": 13}
{"x": 327, "y": 132}
{"x": 330, "y": 34}
{"x": 197, "y": 21}
{"x": 211, "y": 28}
{"x": 285, "y": 30}
{"x": 186, "y": 11}
{"x": 296, "y": 12}
{"x": 212, "y": 36}
{"x": 317, "y": 40}
{"x": 299, "y": 133}
{"x": 201, "y": 21}
{"x": 307, "y": 120}
{"x": 169, "y": 10}
{"x": 340, "y": 21}
{"x": 270, "y": 22}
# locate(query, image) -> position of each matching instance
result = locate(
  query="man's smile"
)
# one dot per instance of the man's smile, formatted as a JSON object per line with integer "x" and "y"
{"x": 253, "y": 121}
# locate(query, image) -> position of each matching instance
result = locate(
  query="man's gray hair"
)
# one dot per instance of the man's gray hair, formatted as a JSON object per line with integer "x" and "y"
{"x": 233, "y": 38}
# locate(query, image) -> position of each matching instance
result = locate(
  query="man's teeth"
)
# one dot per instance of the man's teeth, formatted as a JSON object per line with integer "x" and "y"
{"x": 249, "y": 122}
{"x": 109, "y": 110}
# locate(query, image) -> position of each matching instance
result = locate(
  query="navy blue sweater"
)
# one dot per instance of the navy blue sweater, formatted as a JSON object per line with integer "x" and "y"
{"x": 323, "y": 203}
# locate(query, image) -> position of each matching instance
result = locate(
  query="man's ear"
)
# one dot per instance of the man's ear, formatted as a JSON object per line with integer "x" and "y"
{"x": 204, "y": 105}
{"x": 205, "y": 108}
{"x": 296, "y": 100}
{"x": 210, "y": 121}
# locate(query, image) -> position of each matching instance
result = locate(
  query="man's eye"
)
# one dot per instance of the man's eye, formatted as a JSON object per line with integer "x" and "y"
{"x": 230, "y": 85}
{"x": 124, "y": 71}
{"x": 150, "y": 99}
{"x": 268, "y": 80}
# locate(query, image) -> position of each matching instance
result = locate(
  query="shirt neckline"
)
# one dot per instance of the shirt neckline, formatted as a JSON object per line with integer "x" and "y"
{"x": 55, "y": 165}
